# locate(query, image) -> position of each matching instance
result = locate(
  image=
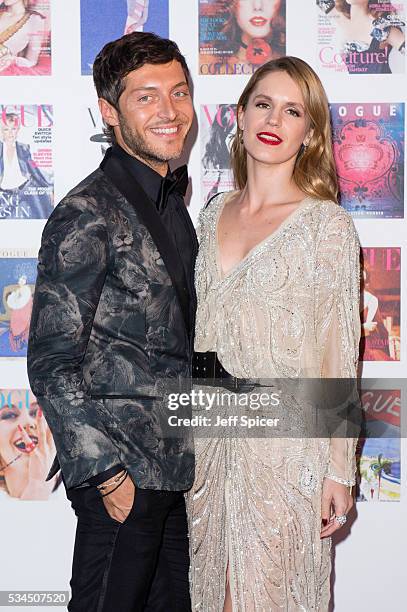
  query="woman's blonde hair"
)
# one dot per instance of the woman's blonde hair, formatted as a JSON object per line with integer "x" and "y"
{"x": 314, "y": 171}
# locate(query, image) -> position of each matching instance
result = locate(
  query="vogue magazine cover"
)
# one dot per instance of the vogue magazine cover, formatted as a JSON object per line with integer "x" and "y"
{"x": 18, "y": 272}
{"x": 105, "y": 20}
{"x": 26, "y": 168}
{"x": 217, "y": 127}
{"x": 26, "y": 448}
{"x": 379, "y": 473}
{"x": 366, "y": 37}
{"x": 96, "y": 140}
{"x": 25, "y": 38}
{"x": 368, "y": 142}
{"x": 238, "y": 36}
{"x": 380, "y": 304}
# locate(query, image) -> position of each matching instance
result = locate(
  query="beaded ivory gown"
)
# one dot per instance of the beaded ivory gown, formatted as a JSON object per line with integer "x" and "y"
{"x": 290, "y": 308}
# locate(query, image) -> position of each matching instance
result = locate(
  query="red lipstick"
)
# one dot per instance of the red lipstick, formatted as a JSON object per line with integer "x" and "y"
{"x": 269, "y": 138}
{"x": 258, "y": 22}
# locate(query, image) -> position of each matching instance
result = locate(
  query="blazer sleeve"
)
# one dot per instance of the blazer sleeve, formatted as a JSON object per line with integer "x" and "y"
{"x": 72, "y": 267}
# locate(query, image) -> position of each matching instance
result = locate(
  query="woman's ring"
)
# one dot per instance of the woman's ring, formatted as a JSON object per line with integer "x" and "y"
{"x": 341, "y": 519}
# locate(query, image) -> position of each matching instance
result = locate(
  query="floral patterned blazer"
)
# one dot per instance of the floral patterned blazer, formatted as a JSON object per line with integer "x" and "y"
{"x": 111, "y": 318}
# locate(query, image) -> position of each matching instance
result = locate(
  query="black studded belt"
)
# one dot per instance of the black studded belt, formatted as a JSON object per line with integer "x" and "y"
{"x": 207, "y": 367}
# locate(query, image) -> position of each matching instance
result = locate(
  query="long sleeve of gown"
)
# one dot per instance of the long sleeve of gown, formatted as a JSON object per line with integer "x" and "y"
{"x": 338, "y": 325}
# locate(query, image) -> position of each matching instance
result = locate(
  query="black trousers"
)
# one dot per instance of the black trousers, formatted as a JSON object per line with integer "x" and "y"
{"x": 139, "y": 565}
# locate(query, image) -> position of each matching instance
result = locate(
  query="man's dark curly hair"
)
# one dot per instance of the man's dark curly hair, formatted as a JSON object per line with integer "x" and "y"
{"x": 130, "y": 52}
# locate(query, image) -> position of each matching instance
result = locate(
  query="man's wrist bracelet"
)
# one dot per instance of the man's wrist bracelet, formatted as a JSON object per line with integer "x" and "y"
{"x": 113, "y": 482}
{"x": 119, "y": 485}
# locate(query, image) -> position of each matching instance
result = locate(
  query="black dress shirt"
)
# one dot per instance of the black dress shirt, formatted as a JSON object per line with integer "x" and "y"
{"x": 167, "y": 194}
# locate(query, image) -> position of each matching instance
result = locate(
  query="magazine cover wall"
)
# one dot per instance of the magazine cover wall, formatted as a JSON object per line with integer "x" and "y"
{"x": 50, "y": 124}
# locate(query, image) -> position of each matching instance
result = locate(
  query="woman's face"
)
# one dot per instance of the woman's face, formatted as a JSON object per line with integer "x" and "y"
{"x": 275, "y": 123}
{"x": 9, "y": 132}
{"x": 254, "y": 16}
{"x": 17, "y": 408}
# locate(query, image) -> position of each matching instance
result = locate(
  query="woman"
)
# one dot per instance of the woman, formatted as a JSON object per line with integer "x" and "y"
{"x": 365, "y": 30}
{"x": 217, "y": 148}
{"x": 277, "y": 280}
{"x": 216, "y": 158}
{"x": 21, "y": 38}
{"x": 255, "y": 31}
{"x": 26, "y": 447}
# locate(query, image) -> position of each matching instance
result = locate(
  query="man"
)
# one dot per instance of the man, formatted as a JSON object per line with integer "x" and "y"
{"x": 113, "y": 312}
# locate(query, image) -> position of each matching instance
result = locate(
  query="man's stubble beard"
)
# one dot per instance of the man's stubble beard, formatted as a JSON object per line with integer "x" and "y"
{"x": 141, "y": 148}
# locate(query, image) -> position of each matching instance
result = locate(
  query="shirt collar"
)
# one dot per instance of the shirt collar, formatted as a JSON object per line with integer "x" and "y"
{"x": 157, "y": 187}
{"x": 148, "y": 179}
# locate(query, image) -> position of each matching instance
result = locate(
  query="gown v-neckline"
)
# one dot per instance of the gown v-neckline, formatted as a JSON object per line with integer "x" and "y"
{"x": 218, "y": 260}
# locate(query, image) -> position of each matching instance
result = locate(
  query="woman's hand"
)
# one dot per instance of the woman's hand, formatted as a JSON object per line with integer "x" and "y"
{"x": 23, "y": 62}
{"x": 39, "y": 461}
{"x": 369, "y": 327}
{"x": 6, "y": 58}
{"x": 336, "y": 501}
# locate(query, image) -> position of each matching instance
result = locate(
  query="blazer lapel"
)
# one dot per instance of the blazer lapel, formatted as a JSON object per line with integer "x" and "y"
{"x": 135, "y": 194}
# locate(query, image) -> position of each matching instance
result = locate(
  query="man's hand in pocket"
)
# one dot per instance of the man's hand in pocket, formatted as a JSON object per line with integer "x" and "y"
{"x": 119, "y": 503}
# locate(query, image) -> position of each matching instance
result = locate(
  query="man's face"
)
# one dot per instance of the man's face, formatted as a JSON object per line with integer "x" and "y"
{"x": 155, "y": 113}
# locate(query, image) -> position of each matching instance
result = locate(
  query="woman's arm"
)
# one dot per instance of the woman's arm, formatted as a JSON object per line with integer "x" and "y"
{"x": 338, "y": 307}
{"x": 338, "y": 334}
{"x": 33, "y": 49}
{"x": 397, "y": 39}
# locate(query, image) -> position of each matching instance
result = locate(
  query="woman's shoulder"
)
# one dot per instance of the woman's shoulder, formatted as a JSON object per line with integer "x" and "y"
{"x": 208, "y": 215}
{"x": 330, "y": 214}
{"x": 35, "y": 20}
{"x": 36, "y": 16}
{"x": 329, "y": 209}
{"x": 214, "y": 203}
{"x": 218, "y": 198}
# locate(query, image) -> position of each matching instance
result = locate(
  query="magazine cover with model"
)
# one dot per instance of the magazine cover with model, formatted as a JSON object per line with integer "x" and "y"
{"x": 380, "y": 304}
{"x": 25, "y": 38}
{"x": 236, "y": 37}
{"x": 364, "y": 37}
{"x": 26, "y": 165}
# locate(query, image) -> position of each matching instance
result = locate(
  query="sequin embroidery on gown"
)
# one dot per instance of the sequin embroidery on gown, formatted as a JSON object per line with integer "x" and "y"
{"x": 290, "y": 308}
